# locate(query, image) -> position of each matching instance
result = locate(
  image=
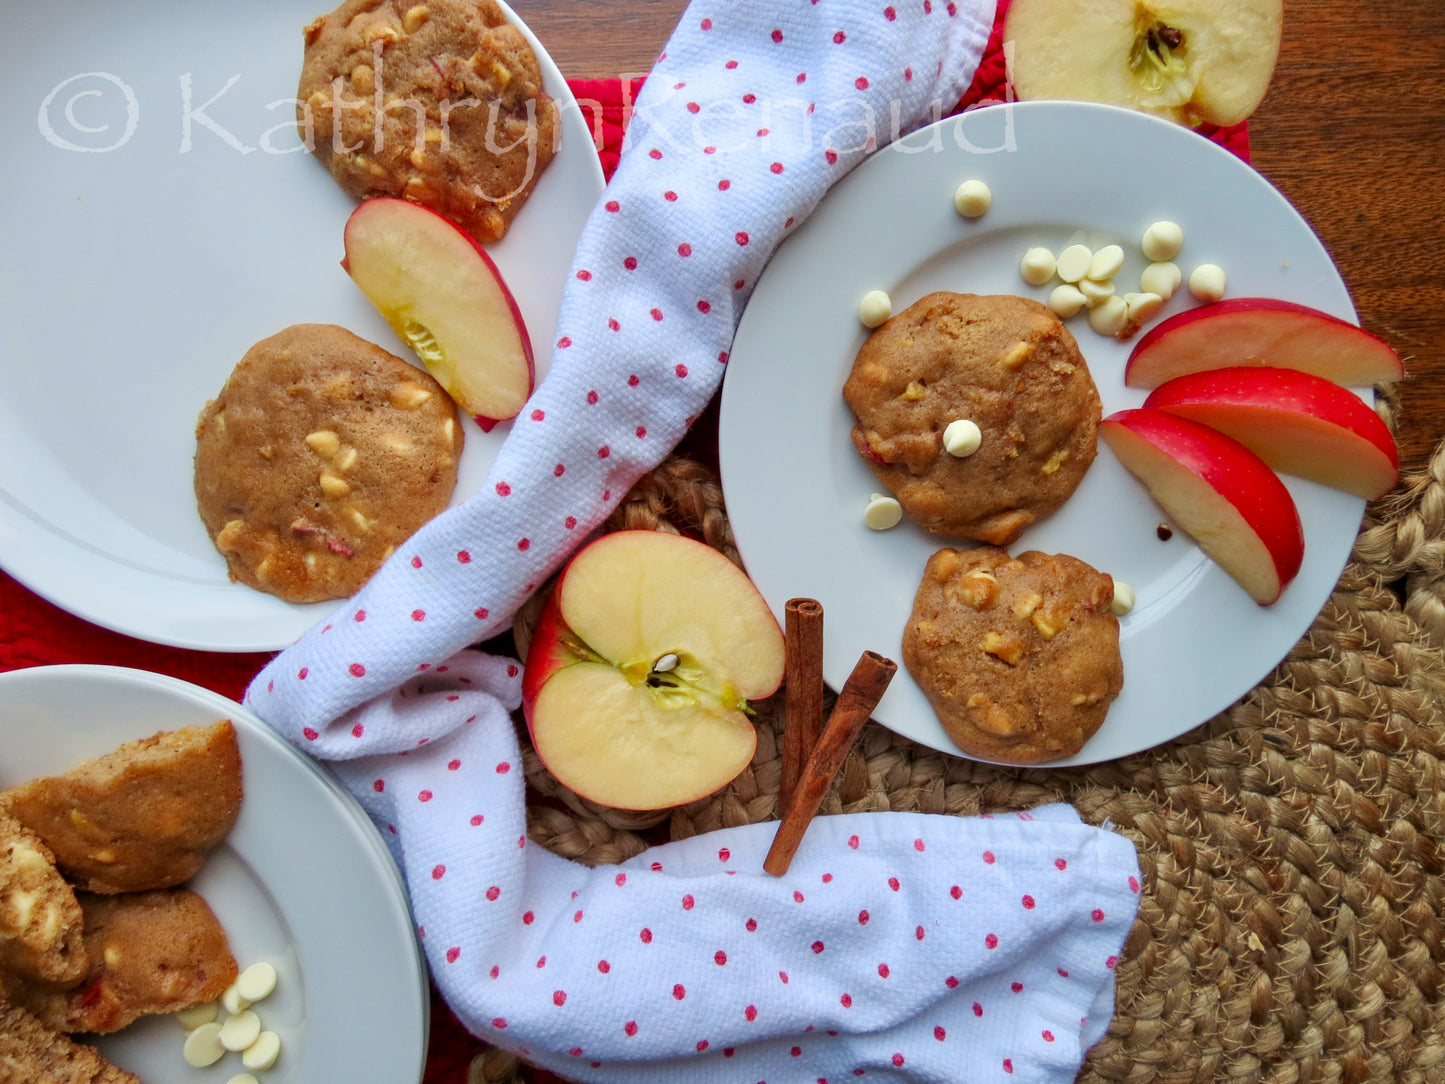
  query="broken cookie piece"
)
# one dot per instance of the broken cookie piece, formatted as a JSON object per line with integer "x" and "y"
{"x": 40, "y": 920}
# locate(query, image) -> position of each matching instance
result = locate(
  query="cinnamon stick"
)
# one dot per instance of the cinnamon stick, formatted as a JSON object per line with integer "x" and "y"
{"x": 856, "y": 701}
{"x": 803, "y": 703}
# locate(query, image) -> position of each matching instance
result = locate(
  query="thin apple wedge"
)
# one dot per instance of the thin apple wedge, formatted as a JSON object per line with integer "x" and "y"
{"x": 1260, "y": 331}
{"x": 1296, "y": 422}
{"x": 641, "y": 667}
{"x": 1219, "y": 492}
{"x": 441, "y": 292}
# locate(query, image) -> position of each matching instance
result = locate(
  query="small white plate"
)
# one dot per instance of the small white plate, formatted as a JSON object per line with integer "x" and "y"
{"x": 303, "y": 881}
{"x": 1059, "y": 171}
{"x": 132, "y": 280}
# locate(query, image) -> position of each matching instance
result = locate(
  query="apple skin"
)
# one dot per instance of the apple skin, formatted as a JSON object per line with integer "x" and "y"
{"x": 410, "y": 260}
{"x": 1260, "y": 331}
{"x": 1296, "y": 422}
{"x": 1219, "y": 492}
{"x": 603, "y": 720}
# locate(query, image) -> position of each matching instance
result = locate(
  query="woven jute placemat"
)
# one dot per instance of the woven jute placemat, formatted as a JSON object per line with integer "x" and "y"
{"x": 1292, "y": 922}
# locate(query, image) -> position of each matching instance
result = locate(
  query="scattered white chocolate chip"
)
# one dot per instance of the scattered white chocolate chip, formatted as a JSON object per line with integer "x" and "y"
{"x": 232, "y": 1001}
{"x": 1109, "y": 316}
{"x": 882, "y": 512}
{"x": 1142, "y": 308}
{"x": 874, "y": 308}
{"x": 240, "y": 1031}
{"x": 256, "y": 982}
{"x": 194, "y": 1017}
{"x": 1207, "y": 281}
{"x": 1074, "y": 262}
{"x": 262, "y": 1053}
{"x": 1037, "y": 266}
{"x": 243, "y": 1078}
{"x": 203, "y": 1046}
{"x": 1105, "y": 264}
{"x": 972, "y": 198}
{"x": 1123, "y": 600}
{"x": 1162, "y": 241}
{"x": 962, "y": 437}
{"x": 1066, "y": 300}
{"x": 1161, "y": 278}
{"x": 1095, "y": 291}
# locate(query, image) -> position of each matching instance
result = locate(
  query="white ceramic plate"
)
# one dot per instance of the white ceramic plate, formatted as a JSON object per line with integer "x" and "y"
{"x": 303, "y": 880}
{"x": 795, "y": 487}
{"x": 133, "y": 279}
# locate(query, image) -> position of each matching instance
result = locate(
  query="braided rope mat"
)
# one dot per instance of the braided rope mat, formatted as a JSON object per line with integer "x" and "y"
{"x": 1292, "y": 923}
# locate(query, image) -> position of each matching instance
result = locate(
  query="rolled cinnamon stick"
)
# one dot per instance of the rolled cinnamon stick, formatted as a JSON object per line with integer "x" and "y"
{"x": 856, "y": 700}
{"x": 803, "y": 694}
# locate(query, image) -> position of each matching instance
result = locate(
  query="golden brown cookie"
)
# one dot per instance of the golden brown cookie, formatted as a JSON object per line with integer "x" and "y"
{"x": 1006, "y": 363}
{"x": 40, "y": 920}
{"x": 321, "y": 455}
{"x": 142, "y": 816}
{"x": 33, "y": 1052}
{"x": 1019, "y": 656}
{"x": 435, "y": 101}
{"x": 147, "y": 952}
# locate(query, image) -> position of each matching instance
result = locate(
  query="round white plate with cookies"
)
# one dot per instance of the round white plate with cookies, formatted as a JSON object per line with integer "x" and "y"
{"x": 303, "y": 881}
{"x": 163, "y": 216}
{"x": 1059, "y": 172}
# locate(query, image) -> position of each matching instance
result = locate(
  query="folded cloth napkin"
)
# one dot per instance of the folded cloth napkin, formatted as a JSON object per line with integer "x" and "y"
{"x": 929, "y": 948}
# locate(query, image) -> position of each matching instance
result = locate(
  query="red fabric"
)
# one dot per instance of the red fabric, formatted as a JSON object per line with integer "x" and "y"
{"x": 35, "y": 633}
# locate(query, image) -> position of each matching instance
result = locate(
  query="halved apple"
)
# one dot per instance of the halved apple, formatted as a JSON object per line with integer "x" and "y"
{"x": 441, "y": 292}
{"x": 1192, "y": 61}
{"x": 1219, "y": 492}
{"x": 1296, "y": 422}
{"x": 1260, "y": 331}
{"x": 641, "y": 667}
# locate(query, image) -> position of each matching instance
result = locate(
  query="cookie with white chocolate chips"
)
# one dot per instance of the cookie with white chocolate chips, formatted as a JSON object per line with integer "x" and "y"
{"x": 435, "y": 101}
{"x": 1007, "y": 364}
{"x": 1019, "y": 656}
{"x": 321, "y": 455}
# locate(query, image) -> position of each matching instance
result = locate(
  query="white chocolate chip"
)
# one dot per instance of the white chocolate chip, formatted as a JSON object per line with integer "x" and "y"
{"x": 1123, "y": 600}
{"x": 1161, "y": 278}
{"x": 240, "y": 1031}
{"x": 1074, "y": 262}
{"x": 1207, "y": 282}
{"x": 882, "y": 512}
{"x": 962, "y": 437}
{"x": 262, "y": 1053}
{"x": 1142, "y": 308}
{"x": 1095, "y": 291}
{"x": 1037, "y": 266}
{"x": 256, "y": 982}
{"x": 972, "y": 198}
{"x": 203, "y": 1046}
{"x": 1162, "y": 241}
{"x": 1105, "y": 264}
{"x": 874, "y": 308}
{"x": 232, "y": 1001}
{"x": 1110, "y": 316}
{"x": 1066, "y": 300}
{"x": 194, "y": 1017}
{"x": 243, "y": 1078}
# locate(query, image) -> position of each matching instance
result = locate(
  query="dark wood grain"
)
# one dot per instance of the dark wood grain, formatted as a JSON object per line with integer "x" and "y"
{"x": 1352, "y": 132}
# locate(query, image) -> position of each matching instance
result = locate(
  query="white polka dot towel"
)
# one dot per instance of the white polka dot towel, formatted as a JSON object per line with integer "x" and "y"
{"x": 898, "y": 946}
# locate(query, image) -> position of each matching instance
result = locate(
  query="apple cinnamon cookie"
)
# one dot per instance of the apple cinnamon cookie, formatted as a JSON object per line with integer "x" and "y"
{"x": 435, "y": 101}
{"x": 321, "y": 455}
{"x": 1006, "y": 364}
{"x": 40, "y": 920}
{"x": 1019, "y": 656}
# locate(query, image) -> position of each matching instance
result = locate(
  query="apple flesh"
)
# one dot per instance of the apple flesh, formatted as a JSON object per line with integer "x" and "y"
{"x": 1296, "y": 422}
{"x": 1190, "y": 61}
{"x": 641, "y": 667}
{"x": 1260, "y": 331}
{"x": 1219, "y": 492}
{"x": 441, "y": 292}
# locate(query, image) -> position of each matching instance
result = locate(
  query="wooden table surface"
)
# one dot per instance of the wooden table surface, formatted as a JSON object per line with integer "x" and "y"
{"x": 1352, "y": 131}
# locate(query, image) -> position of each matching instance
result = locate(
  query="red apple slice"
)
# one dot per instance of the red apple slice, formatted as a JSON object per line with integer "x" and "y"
{"x": 1296, "y": 422}
{"x": 641, "y": 667}
{"x": 441, "y": 292}
{"x": 1223, "y": 495}
{"x": 1260, "y": 331}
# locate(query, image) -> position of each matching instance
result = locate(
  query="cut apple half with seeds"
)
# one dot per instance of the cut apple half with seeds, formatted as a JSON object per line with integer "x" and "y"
{"x": 640, "y": 671}
{"x": 440, "y": 291}
{"x": 1296, "y": 422}
{"x": 1219, "y": 492}
{"x": 1261, "y": 331}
